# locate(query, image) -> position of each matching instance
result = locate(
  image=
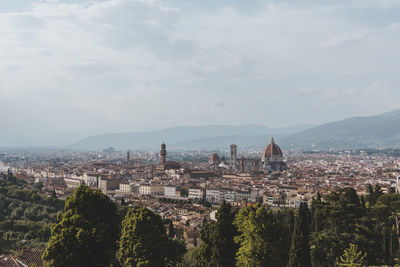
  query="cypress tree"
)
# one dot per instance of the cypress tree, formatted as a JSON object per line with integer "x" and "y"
{"x": 370, "y": 191}
{"x": 299, "y": 255}
{"x": 171, "y": 230}
{"x": 225, "y": 247}
{"x": 218, "y": 247}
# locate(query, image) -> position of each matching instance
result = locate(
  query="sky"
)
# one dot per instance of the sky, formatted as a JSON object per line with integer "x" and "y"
{"x": 74, "y": 68}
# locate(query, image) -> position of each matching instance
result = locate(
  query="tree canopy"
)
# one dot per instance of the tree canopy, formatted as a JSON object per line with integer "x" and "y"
{"x": 87, "y": 231}
{"x": 263, "y": 237}
{"x": 144, "y": 241}
{"x": 218, "y": 247}
{"x": 299, "y": 255}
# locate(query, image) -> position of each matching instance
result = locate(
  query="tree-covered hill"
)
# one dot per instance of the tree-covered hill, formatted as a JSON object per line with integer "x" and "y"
{"x": 25, "y": 216}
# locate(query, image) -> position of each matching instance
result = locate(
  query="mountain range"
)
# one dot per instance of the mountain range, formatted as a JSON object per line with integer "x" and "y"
{"x": 378, "y": 131}
{"x": 188, "y": 137}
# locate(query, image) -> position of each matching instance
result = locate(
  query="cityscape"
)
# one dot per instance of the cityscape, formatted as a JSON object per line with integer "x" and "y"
{"x": 164, "y": 133}
{"x": 188, "y": 189}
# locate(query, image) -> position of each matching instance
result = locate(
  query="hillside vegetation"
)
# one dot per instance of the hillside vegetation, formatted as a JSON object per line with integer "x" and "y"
{"x": 25, "y": 216}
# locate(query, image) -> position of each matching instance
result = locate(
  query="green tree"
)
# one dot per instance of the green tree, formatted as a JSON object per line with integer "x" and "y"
{"x": 190, "y": 259}
{"x": 206, "y": 249}
{"x": 351, "y": 257}
{"x": 144, "y": 241}
{"x": 299, "y": 255}
{"x": 86, "y": 233}
{"x": 261, "y": 238}
{"x": 171, "y": 230}
{"x": 38, "y": 186}
{"x": 387, "y": 209}
{"x": 219, "y": 247}
{"x": 373, "y": 194}
{"x": 184, "y": 192}
{"x": 54, "y": 193}
{"x": 338, "y": 221}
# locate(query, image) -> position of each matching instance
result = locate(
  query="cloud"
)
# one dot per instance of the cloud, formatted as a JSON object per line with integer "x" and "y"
{"x": 90, "y": 67}
{"x": 330, "y": 93}
{"x": 345, "y": 39}
{"x": 395, "y": 26}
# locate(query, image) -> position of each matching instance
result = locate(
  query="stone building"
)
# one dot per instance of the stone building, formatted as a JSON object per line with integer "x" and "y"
{"x": 272, "y": 157}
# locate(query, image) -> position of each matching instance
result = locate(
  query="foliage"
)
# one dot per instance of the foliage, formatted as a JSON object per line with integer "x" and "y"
{"x": 373, "y": 194}
{"x": 25, "y": 216}
{"x": 171, "y": 230}
{"x": 184, "y": 192}
{"x": 86, "y": 233}
{"x": 343, "y": 219}
{"x": 204, "y": 203}
{"x": 299, "y": 255}
{"x": 174, "y": 201}
{"x": 263, "y": 237}
{"x": 144, "y": 241}
{"x": 191, "y": 258}
{"x": 38, "y": 186}
{"x": 387, "y": 210}
{"x": 218, "y": 247}
{"x": 351, "y": 257}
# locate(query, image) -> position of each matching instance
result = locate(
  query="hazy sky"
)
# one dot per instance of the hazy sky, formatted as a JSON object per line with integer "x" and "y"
{"x": 87, "y": 67}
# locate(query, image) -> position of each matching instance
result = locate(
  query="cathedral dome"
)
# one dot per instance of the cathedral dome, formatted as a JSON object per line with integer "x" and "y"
{"x": 272, "y": 151}
{"x": 214, "y": 159}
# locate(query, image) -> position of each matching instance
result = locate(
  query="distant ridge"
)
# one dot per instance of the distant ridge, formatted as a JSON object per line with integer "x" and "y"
{"x": 379, "y": 131}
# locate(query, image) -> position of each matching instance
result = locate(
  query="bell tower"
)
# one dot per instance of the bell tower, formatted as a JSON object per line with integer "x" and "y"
{"x": 233, "y": 159}
{"x": 163, "y": 153}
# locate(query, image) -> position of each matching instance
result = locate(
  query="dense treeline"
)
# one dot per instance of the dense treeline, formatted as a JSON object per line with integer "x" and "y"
{"x": 25, "y": 216}
{"x": 343, "y": 229}
{"x": 93, "y": 232}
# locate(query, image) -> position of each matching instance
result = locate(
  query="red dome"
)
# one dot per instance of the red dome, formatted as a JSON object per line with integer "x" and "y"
{"x": 214, "y": 158}
{"x": 272, "y": 150}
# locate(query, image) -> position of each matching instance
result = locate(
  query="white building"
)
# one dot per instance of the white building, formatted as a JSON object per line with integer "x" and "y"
{"x": 196, "y": 193}
{"x": 228, "y": 195}
{"x": 73, "y": 183}
{"x": 157, "y": 190}
{"x": 151, "y": 190}
{"x": 242, "y": 195}
{"x": 170, "y": 191}
{"x": 213, "y": 195}
{"x": 144, "y": 189}
{"x": 125, "y": 187}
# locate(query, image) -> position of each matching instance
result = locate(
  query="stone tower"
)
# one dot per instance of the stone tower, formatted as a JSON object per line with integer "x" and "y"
{"x": 242, "y": 164}
{"x": 233, "y": 160}
{"x": 163, "y": 154}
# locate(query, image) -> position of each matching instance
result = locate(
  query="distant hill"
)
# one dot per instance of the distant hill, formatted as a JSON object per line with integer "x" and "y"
{"x": 378, "y": 131}
{"x": 358, "y": 132}
{"x": 188, "y": 137}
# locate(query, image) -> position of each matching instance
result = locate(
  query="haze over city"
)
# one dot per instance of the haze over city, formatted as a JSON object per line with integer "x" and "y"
{"x": 71, "y": 69}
